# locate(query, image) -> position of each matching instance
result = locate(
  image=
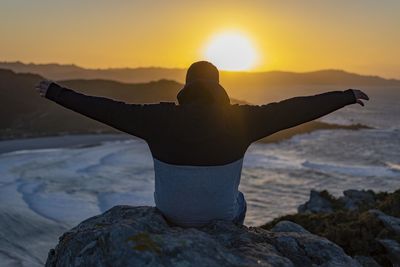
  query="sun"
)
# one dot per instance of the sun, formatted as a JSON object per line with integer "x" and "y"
{"x": 231, "y": 51}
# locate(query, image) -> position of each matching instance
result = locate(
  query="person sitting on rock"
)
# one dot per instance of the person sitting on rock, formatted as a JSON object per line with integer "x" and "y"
{"x": 198, "y": 145}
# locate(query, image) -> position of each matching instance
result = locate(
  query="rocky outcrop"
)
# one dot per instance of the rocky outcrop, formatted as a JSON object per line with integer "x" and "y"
{"x": 390, "y": 222}
{"x": 393, "y": 249}
{"x": 288, "y": 226}
{"x": 317, "y": 203}
{"x": 364, "y": 223}
{"x": 140, "y": 236}
{"x": 352, "y": 200}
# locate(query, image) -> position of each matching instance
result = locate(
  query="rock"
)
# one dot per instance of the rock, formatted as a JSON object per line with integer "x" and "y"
{"x": 390, "y": 222}
{"x": 316, "y": 204}
{"x": 358, "y": 221}
{"x": 140, "y": 236}
{"x": 288, "y": 226}
{"x": 353, "y": 199}
{"x": 311, "y": 250}
{"x": 366, "y": 261}
{"x": 360, "y": 196}
{"x": 393, "y": 249}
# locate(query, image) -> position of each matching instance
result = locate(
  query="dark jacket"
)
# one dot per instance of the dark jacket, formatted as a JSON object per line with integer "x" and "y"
{"x": 200, "y": 134}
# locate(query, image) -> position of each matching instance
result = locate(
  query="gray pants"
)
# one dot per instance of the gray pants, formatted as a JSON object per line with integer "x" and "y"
{"x": 239, "y": 219}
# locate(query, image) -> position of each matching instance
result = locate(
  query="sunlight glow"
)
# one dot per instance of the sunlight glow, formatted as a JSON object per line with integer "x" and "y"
{"x": 231, "y": 51}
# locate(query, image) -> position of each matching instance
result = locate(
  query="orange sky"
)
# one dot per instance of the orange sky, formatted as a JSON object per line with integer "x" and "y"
{"x": 357, "y": 36}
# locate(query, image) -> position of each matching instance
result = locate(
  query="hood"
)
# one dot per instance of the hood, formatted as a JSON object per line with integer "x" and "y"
{"x": 203, "y": 92}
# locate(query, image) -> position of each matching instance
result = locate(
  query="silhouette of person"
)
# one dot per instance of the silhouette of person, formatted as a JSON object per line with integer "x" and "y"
{"x": 198, "y": 145}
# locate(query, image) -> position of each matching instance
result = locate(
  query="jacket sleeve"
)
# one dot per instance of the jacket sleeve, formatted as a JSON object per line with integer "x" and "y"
{"x": 265, "y": 120}
{"x": 134, "y": 119}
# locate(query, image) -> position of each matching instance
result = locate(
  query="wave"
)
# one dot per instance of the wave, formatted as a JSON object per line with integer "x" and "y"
{"x": 354, "y": 170}
{"x": 310, "y": 127}
{"x": 393, "y": 166}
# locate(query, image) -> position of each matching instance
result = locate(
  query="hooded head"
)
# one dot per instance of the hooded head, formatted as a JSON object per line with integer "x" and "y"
{"x": 202, "y": 86}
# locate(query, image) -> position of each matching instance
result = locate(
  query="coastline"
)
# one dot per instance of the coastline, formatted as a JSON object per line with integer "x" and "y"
{"x": 76, "y": 139}
{"x": 59, "y": 141}
{"x": 84, "y": 140}
{"x": 310, "y": 127}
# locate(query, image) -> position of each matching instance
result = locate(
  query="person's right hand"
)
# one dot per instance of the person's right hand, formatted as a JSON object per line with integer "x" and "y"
{"x": 360, "y": 95}
{"x": 42, "y": 87}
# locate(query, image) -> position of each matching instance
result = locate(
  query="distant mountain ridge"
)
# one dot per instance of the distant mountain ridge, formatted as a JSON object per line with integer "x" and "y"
{"x": 24, "y": 113}
{"x": 57, "y": 71}
{"x": 254, "y": 87}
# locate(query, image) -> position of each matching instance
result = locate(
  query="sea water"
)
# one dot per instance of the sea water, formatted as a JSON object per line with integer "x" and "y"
{"x": 44, "y": 192}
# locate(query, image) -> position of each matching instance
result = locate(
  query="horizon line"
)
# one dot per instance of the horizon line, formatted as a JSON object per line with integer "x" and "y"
{"x": 184, "y": 69}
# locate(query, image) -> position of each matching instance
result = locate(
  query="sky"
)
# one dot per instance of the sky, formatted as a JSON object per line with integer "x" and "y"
{"x": 356, "y": 36}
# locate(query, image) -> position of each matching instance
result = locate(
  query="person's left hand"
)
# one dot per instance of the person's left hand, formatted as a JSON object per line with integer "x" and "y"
{"x": 42, "y": 87}
{"x": 360, "y": 95}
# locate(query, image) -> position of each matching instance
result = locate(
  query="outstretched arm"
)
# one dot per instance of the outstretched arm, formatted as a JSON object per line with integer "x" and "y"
{"x": 130, "y": 118}
{"x": 267, "y": 119}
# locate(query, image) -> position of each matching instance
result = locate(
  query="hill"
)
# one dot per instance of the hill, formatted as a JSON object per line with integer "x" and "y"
{"x": 254, "y": 87}
{"x": 69, "y": 72}
{"x": 24, "y": 113}
{"x": 277, "y": 85}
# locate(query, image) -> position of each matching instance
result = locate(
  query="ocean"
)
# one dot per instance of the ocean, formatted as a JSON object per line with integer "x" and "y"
{"x": 46, "y": 191}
